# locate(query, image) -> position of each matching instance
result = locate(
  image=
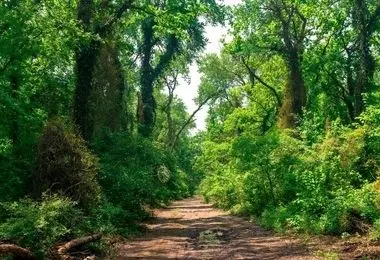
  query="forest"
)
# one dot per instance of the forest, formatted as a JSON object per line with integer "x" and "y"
{"x": 93, "y": 135}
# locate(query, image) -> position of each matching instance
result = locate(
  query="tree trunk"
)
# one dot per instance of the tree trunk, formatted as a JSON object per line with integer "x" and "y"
{"x": 99, "y": 93}
{"x": 295, "y": 93}
{"x": 366, "y": 64}
{"x": 85, "y": 63}
{"x": 147, "y": 119}
{"x": 169, "y": 118}
{"x": 349, "y": 100}
{"x": 16, "y": 251}
{"x": 149, "y": 107}
{"x": 107, "y": 90}
{"x": 14, "y": 128}
{"x": 63, "y": 250}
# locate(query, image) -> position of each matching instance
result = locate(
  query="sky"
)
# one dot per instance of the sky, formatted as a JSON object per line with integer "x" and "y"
{"x": 187, "y": 92}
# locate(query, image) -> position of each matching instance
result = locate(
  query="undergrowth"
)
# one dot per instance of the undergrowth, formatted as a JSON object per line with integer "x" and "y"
{"x": 325, "y": 184}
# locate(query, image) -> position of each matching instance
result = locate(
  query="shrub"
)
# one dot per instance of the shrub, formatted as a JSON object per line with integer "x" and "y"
{"x": 66, "y": 166}
{"x": 298, "y": 182}
{"x": 39, "y": 225}
{"x": 135, "y": 174}
{"x": 371, "y": 159}
{"x": 15, "y": 168}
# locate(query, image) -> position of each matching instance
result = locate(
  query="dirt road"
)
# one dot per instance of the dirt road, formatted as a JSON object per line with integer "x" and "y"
{"x": 191, "y": 229}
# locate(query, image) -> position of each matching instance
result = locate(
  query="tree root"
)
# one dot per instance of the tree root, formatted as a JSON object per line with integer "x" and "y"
{"x": 63, "y": 251}
{"x": 17, "y": 251}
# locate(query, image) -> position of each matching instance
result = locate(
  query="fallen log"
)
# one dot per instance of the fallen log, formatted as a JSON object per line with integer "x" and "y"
{"x": 63, "y": 250}
{"x": 17, "y": 251}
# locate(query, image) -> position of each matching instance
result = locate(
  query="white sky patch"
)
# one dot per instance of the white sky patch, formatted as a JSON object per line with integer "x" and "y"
{"x": 187, "y": 92}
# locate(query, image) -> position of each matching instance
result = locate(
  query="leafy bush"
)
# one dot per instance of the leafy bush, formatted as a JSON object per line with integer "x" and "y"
{"x": 16, "y": 167}
{"x": 297, "y": 182}
{"x": 66, "y": 166}
{"x": 39, "y": 225}
{"x": 371, "y": 159}
{"x": 135, "y": 174}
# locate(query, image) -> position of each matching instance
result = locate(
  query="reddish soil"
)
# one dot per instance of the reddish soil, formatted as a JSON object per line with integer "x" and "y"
{"x": 191, "y": 229}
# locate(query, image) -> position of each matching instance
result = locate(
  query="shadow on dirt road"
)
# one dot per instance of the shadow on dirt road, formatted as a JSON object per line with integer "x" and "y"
{"x": 191, "y": 229}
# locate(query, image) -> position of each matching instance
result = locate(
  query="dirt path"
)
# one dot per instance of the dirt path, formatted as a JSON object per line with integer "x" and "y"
{"x": 191, "y": 229}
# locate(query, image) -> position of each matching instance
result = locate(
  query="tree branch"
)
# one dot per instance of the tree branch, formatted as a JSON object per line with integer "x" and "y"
{"x": 190, "y": 118}
{"x": 302, "y": 33}
{"x": 253, "y": 76}
{"x": 64, "y": 249}
{"x": 172, "y": 47}
{"x": 118, "y": 14}
{"x": 373, "y": 20}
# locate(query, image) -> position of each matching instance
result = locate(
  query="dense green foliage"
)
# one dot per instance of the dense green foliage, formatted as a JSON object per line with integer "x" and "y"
{"x": 92, "y": 135}
{"x": 313, "y": 170}
{"x": 40, "y": 225}
{"x": 74, "y": 159}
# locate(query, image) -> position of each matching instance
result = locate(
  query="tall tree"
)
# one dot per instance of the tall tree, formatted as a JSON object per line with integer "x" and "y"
{"x": 172, "y": 28}
{"x": 98, "y": 20}
{"x": 365, "y": 23}
{"x": 277, "y": 27}
{"x": 342, "y": 62}
{"x": 150, "y": 74}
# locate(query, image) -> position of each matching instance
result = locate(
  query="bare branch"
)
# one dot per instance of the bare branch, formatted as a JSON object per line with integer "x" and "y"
{"x": 64, "y": 249}
{"x": 190, "y": 118}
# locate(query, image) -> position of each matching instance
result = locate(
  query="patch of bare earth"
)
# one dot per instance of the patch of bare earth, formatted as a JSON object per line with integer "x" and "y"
{"x": 191, "y": 229}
